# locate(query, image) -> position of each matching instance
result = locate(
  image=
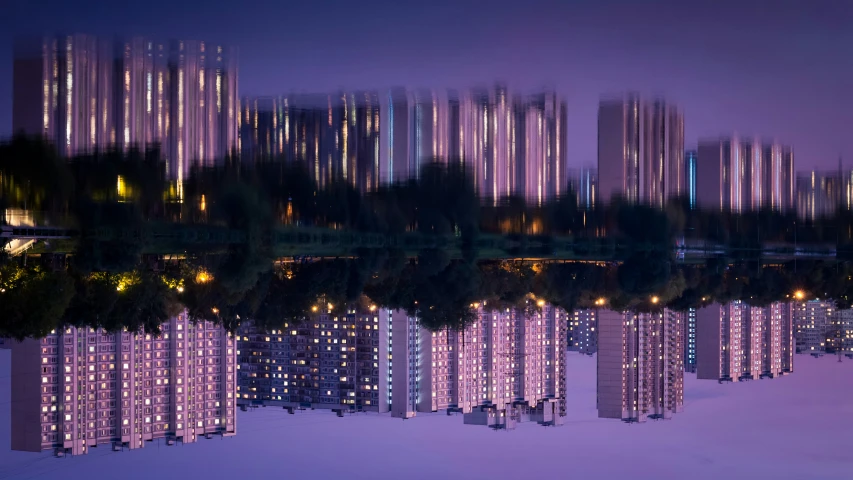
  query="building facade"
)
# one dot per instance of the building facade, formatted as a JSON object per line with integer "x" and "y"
{"x": 640, "y": 366}
{"x": 79, "y": 388}
{"x": 87, "y": 94}
{"x": 338, "y": 362}
{"x": 820, "y": 327}
{"x": 582, "y": 334}
{"x": 640, "y": 151}
{"x": 737, "y": 342}
{"x": 744, "y": 174}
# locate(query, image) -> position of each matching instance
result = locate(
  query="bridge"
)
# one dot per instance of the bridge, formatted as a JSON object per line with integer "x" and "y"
{"x": 301, "y": 241}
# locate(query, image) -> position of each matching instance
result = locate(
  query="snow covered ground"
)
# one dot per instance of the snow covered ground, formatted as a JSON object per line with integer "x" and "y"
{"x": 794, "y": 427}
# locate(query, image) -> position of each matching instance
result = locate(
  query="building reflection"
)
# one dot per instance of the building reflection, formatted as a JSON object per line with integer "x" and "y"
{"x": 506, "y": 367}
{"x": 80, "y": 388}
{"x": 512, "y": 144}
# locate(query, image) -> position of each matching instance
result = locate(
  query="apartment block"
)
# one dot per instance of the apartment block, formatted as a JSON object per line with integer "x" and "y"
{"x": 334, "y": 361}
{"x": 640, "y": 366}
{"x": 79, "y": 388}
{"x": 737, "y": 342}
{"x": 582, "y": 335}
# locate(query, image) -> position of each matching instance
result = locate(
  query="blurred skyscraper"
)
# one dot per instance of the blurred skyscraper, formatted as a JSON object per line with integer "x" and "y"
{"x": 745, "y": 174}
{"x": 583, "y": 183}
{"x": 85, "y": 94}
{"x": 820, "y": 194}
{"x": 640, "y": 365}
{"x": 690, "y": 159}
{"x": 640, "y": 150}
{"x": 738, "y": 342}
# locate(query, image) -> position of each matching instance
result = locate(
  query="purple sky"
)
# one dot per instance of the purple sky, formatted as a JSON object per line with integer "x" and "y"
{"x": 779, "y": 68}
{"x": 793, "y": 427}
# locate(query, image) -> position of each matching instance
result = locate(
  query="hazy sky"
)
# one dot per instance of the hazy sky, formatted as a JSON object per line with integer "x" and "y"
{"x": 776, "y": 68}
{"x": 791, "y": 428}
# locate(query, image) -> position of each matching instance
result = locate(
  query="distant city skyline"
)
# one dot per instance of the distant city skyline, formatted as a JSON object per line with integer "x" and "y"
{"x": 778, "y": 73}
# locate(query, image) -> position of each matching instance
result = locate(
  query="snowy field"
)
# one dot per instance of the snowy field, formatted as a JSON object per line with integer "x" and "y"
{"x": 794, "y": 427}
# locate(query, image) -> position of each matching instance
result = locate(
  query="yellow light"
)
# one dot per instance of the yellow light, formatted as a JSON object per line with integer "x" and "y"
{"x": 330, "y": 306}
{"x": 120, "y": 287}
{"x": 180, "y": 289}
{"x": 215, "y": 310}
{"x": 601, "y": 301}
{"x": 203, "y": 277}
{"x": 541, "y": 303}
{"x": 314, "y": 308}
{"x": 373, "y": 308}
{"x": 655, "y": 299}
{"x": 475, "y": 305}
{"x": 799, "y": 294}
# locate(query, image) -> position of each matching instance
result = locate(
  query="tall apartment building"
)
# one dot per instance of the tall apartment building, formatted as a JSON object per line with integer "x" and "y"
{"x": 582, "y": 334}
{"x": 640, "y": 365}
{"x": 640, "y": 150}
{"x": 737, "y": 342}
{"x": 690, "y": 340}
{"x": 81, "y": 387}
{"x": 334, "y": 361}
{"x": 85, "y": 94}
{"x": 820, "y": 327}
{"x": 742, "y": 174}
{"x": 505, "y": 365}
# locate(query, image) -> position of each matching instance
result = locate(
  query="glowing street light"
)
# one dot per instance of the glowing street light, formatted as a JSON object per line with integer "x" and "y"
{"x": 180, "y": 289}
{"x": 655, "y": 300}
{"x": 540, "y": 303}
{"x": 799, "y": 295}
{"x": 314, "y": 308}
{"x": 373, "y": 308}
{"x": 215, "y": 310}
{"x": 203, "y": 277}
{"x": 601, "y": 301}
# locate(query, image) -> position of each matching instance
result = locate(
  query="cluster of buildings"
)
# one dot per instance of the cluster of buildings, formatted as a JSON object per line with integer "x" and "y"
{"x": 79, "y": 388}
{"x": 506, "y": 367}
